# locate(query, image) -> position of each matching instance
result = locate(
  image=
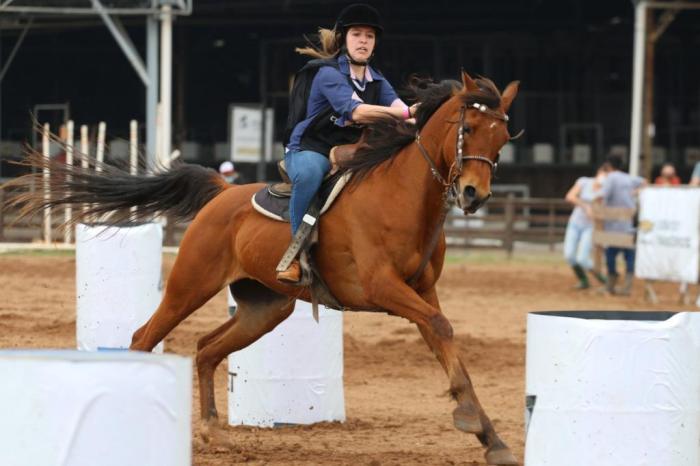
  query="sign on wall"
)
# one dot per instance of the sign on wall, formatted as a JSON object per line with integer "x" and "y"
{"x": 245, "y": 129}
{"x": 667, "y": 235}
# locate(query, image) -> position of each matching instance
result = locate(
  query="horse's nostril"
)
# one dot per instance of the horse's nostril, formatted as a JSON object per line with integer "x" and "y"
{"x": 470, "y": 192}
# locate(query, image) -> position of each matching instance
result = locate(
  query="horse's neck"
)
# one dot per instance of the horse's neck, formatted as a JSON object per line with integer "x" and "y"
{"x": 413, "y": 162}
{"x": 420, "y": 191}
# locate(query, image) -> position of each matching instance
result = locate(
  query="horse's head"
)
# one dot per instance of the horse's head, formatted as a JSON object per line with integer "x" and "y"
{"x": 472, "y": 145}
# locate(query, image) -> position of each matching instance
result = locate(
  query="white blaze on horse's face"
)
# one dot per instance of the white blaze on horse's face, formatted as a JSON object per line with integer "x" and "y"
{"x": 486, "y": 132}
{"x": 482, "y": 143}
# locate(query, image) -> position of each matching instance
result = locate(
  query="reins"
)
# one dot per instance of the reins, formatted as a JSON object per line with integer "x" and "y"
{"x": 450, "y": 193}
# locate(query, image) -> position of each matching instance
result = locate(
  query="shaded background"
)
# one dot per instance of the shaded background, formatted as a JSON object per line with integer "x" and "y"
{"x": 573, "y": 58}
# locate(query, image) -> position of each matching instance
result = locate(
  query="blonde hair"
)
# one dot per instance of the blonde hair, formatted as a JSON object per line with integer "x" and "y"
{"x": 328, "y": 44}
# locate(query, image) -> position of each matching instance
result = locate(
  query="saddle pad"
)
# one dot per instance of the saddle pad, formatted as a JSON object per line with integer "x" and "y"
{"x": 276, "y": 207}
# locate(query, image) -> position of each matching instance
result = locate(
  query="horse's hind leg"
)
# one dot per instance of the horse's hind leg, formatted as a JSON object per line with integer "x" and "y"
{"x": 197, "y": 275}
{"x": 259, "y": 311}
{"x": 469, "y": 416}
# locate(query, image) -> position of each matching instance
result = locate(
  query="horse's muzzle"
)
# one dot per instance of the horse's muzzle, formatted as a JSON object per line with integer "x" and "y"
{"x": 470, "y": 201}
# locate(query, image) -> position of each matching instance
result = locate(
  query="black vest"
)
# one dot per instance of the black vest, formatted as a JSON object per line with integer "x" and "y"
{"x": 322, "y": 133}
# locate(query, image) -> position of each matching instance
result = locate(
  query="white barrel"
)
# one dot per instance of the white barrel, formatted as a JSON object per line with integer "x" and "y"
{"x": 610, "y": 388}
{"x": 292, "y": 375}
{"x": 118, "y": 282}
{"x": 77, "y": 408}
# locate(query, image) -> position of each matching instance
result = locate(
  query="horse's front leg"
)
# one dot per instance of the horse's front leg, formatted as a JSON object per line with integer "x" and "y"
{"x": 396, "y": 296}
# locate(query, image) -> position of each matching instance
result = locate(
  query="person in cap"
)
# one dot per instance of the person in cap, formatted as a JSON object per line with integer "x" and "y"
{"x": 229, "y": 173}
{"x": 346, "y": 92}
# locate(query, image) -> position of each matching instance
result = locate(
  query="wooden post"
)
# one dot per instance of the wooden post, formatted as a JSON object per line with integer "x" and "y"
{"x": 46, "y": 154}
{"x": 510, "y": 224}
{"x": 84, "y": 153}
{"x": 2, "y": 215}
{"x": 68, "y": 232}
{"x": 550, "y": 226}
{"x": 100, "y": 153}
{"x": 597, "y": 247}
{"x": 133, "y": 153}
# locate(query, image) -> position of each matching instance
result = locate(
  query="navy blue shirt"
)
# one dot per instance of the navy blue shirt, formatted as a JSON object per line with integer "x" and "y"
{"x": 330, "y": 88}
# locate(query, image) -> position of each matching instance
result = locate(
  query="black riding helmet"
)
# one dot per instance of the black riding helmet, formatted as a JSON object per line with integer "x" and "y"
{"x": 359, "y": 14}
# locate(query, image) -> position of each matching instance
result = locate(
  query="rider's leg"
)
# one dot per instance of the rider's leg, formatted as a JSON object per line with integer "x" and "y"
{"x": 306, "y": 170}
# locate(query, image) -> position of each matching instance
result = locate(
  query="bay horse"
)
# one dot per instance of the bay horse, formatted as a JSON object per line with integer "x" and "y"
{"x": 381, "y": 231}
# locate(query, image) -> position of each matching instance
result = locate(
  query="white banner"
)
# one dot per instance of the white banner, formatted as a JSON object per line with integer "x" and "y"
{"x": 667, "y": 236}
{"x": 245, "y": 126}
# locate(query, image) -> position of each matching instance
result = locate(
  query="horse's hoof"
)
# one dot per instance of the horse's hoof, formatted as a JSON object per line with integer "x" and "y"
{"x": 215, "y": 434}
{"x": 467, "y": 421}
{"x": 501, "y": 456}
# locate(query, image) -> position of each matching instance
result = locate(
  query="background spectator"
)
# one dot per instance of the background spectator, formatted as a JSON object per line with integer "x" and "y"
{"x": 619, "y": 189}
{"x": 667, "y": 176}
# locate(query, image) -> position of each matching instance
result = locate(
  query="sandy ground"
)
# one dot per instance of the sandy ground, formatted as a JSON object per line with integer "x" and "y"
{"x": 397, "y": 411}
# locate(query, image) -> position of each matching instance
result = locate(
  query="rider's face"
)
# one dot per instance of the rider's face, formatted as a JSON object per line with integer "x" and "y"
{"x": 360, "y": 42}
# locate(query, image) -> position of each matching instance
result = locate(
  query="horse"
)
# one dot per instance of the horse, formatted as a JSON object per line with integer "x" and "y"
{"x": 382, "y": 244}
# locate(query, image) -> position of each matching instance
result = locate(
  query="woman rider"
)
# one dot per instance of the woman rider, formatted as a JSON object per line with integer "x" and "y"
{"x": 348, "y": 93}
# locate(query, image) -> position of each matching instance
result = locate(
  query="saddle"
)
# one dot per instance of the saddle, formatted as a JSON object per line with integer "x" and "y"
{"x": 272, "y": 201}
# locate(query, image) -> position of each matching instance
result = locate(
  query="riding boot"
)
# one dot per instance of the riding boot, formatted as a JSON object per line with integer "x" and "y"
{"x": 292, "y": 275}
{"x": 582, "y": 277}
{"x": 611, "y": 282}
{"x": 627, "y": 285}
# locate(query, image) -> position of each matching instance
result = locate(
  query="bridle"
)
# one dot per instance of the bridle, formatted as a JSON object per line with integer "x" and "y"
{"x": 451, "y": 190}
{"x": 459, "y": 159}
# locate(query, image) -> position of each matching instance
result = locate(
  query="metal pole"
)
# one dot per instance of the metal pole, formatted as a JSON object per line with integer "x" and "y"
{"x": 640, "y": 12}
{"x": 166, "y": 71}
{"x": 67, "y": 234}
{"x": 47, "y": 210}
{"x": 648, "y": 128}
{"x": 115, "y": 27}
{"x": 151, "y": 89}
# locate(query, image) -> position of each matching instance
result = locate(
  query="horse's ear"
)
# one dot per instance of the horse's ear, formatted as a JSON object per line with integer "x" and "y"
{"x": 468, "y": 83}
{"x": 509, "y": 94}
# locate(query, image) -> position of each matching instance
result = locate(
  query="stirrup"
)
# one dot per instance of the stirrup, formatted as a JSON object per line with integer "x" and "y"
{"x": 299, "y": 240}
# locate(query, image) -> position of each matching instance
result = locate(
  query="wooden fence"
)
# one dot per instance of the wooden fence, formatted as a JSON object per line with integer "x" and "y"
{"x": 498, "y": 225}
{"x": 505, "y": 220}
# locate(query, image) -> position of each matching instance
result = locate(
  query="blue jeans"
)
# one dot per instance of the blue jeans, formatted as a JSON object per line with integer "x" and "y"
{"x": 611, "y": 254}
{"x": 578, "y": 242}
{"x": 306, "y": 169}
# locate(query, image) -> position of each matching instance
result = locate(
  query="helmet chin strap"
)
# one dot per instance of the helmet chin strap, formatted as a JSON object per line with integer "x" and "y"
{"x": 355, "y": 62}
{"x": 344, "y": 49}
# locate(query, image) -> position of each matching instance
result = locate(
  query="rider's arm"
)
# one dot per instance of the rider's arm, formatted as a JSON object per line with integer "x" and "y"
{"x": 366, "y": 113}
{"x": 389, "y": 105}
{"x": 334, "y": 87}
{"x": 342, "y": 97}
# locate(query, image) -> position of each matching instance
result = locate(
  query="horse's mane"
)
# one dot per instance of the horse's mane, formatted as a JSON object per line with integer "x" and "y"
{"x": 384, "y": 138}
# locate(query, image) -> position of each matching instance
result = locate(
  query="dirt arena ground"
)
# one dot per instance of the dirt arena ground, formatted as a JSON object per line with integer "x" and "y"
{"x": 397, "y": 411}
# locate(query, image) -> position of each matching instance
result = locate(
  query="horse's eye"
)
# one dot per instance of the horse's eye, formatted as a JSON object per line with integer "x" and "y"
{"x": 467, "y": 129}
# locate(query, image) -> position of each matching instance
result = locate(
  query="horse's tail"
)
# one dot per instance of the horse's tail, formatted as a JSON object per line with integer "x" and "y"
{"x": 178, "y": 193}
